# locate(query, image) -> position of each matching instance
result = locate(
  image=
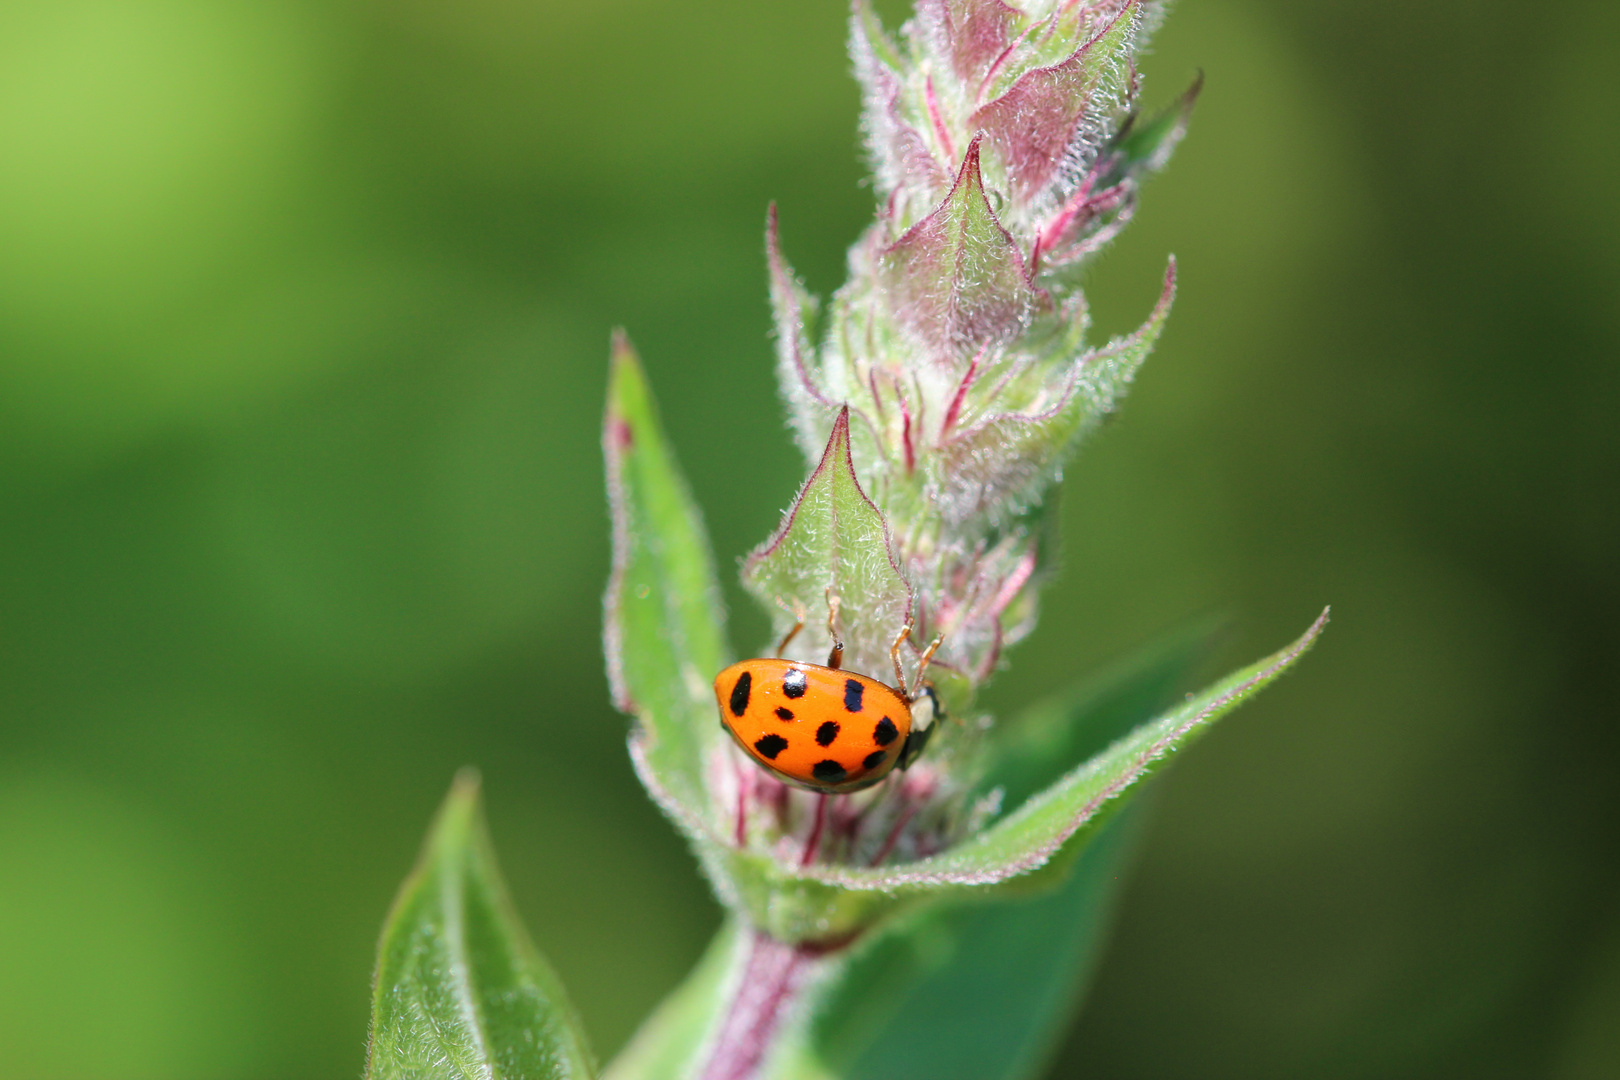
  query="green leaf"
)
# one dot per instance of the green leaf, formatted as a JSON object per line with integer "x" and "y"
{"x": 669, "y": 1041}
{"x": 663, "y": 617}
{"x": 1146, "y": 147}
{"x": 1017, "y": 455}
{"x": 970, "y": 982}
{"x": 1028, "y": 850}
{"x": 956, "y": 279}
{"x": 866, "y": 28}
{"x": 1073, "y": 808}
{"x": 794, "y": 312}
{"x": 1056, "y": 734}
{"x": 460, "y": 993}
{"x": 1034, "y": 123}
{"x": 834, "y": 538}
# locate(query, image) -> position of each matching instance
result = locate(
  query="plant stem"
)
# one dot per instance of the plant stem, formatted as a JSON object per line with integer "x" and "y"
{"x": 771, "y": 977}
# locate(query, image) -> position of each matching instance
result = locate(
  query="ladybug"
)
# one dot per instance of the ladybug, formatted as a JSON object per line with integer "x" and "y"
{"x": 818, "y": 726}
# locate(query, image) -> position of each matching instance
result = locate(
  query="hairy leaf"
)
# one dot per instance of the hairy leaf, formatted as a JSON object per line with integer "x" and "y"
{"x": 834, "y": 539}
{"x": 900, "y": 153}
{"x": 663, "y": 616}
{"x": 1044, "y": 122}
{"x": 669, "y": 1041}
{"x": 1012, "y": 457}
{"x": 956, "y": 280}
{"x": 1072, "y": 808}
{"x": 794, "y": 311}
{"x": 461, "y": 994}
{"x": 971, "y": 33}
{"x": 1028, "y": 850}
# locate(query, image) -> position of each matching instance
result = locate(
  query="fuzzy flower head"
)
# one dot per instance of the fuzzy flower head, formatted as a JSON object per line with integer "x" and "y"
{"x": 1006, "y": 150}
{"x": 936, "y": 398}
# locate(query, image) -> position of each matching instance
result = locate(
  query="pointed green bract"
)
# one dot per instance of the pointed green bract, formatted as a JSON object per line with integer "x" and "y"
{"x": 834, "y": 538}
{"x": 1039, "y": 125}
{"x": 1147, "y": 146}
{"x": 460, "y": 993}
{"x": 663, "y": 617}
{"x": 794, "y": 310}
{"x": 956, "y": 279}
{"x": 1017, "y": 455}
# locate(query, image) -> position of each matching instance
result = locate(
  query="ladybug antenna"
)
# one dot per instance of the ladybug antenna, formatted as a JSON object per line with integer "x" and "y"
{"x": 798, "y": 624}
{"x": 835, "y": 658}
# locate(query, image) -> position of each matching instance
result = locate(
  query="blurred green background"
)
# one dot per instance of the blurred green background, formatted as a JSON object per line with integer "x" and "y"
{"x": 303, "y": 320}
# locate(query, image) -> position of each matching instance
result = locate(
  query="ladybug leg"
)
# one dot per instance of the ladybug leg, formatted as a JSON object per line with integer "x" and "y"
{"x": 835, "y": 658}
{"x": 798, "y": 615}
{"x": 894, "y": 658}
{"x": 922, "y": 665}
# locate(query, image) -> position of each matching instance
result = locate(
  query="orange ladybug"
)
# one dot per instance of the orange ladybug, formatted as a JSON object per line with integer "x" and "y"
{"x": 818, "y": 726}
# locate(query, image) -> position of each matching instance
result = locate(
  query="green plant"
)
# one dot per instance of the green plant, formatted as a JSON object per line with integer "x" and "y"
{"x": 941, "y": 923}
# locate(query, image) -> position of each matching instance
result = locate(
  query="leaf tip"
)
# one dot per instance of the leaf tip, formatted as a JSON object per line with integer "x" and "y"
{"x": 467, "y": 785}
{"x": 459, "y": 811}
{"x": 1189, "y": 97}
{"x": 624, "y": 365}
{"x": 1309, "y": 637}
{"x": 627, "y": 387}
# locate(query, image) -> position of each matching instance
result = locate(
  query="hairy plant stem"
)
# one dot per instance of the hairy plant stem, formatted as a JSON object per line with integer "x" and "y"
{"x": 764, "y": 994}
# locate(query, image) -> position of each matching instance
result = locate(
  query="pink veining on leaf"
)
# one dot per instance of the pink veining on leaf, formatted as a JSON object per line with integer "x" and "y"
{"x": 1081, "y": 209}
{"x": 788, "y": 311}
{"x": 1009, "y": 456}
{"x": 1035, "y": 124}
{"x": 954, "y": 409}
{"x": 956, "y": 279}
{"x": 618, "y": 438}
{"x": 900, "y": 153}
{"x": 941, "y": 132}
{"x": 1161, "y": 309}
{"x": 971, "y": 33}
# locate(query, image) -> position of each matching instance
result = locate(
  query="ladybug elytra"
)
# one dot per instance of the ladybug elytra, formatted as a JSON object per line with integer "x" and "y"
{"x": 817, "y": 726}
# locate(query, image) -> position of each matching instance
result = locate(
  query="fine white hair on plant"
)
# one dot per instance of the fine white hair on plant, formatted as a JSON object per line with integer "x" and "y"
{"x": 936, "y": 397}
{"x": 1007, "y": 149}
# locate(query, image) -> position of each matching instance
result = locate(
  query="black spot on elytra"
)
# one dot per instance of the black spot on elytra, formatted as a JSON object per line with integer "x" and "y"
{"x": 827, "y": 770}
{"x": 784, "y": 714}
{"x": 739, "y": 694}
{"x": 793, "y": 683}
{"x": 826, "y": 733}
{"x": 771, "y": 745}
{"x": 852, "y": 695}
{"x": 874, "y": 759}
{"x": 885, "y": 732}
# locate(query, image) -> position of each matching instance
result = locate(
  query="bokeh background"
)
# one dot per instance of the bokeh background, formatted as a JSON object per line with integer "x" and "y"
{"x": 303, "y": 319}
